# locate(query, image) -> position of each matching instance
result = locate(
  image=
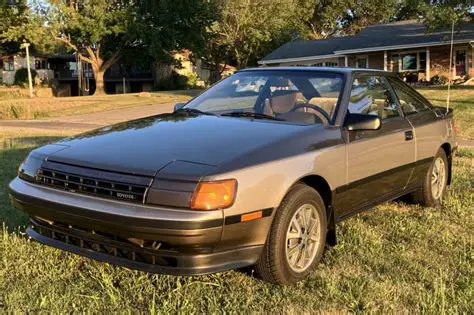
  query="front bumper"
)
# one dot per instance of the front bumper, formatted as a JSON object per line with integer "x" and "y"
{"x": 151, "y": 239}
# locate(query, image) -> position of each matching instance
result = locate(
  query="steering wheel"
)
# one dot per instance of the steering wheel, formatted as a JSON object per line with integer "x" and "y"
{"x": 316, "y": 108}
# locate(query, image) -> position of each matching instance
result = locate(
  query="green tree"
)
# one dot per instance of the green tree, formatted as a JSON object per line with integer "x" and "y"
{"x": 246, "y": 30}
{"x": 436, "y": 14}
{"x": 11, "y": 16}
{"x": 328, "y": 18}
{"x": 87, "y": 27}
{"x": 103, "y": 31}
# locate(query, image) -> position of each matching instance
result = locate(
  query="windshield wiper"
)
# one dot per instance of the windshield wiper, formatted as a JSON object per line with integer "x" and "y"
{"x": 194, "y": 111}
{"x": 252, "y": 115}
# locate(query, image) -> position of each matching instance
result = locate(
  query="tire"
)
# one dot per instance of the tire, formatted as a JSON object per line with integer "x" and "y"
{"x": 431, "y": 195}
{"x": 274, "y": 263}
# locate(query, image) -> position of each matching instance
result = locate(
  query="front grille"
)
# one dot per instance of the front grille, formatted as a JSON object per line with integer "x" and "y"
{"x": 92, "y": 186}
{"x": 107, "y": 244}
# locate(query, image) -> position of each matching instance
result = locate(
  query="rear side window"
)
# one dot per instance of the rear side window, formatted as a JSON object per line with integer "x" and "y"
{"x": 370, "y": 95}
{"x": 409, "y": 102}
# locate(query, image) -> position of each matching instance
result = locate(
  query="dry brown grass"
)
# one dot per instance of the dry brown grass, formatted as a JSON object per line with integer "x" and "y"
{"x": 14, "y": 106}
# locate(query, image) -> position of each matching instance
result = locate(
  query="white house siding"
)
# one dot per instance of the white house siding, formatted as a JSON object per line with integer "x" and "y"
{"x": 8, "y": 77}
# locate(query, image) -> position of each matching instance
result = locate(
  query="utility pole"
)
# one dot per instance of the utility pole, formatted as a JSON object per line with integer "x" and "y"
{"x": 26, "y": 46}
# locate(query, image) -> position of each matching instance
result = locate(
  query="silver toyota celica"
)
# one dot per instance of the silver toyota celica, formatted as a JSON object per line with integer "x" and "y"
{"x": 257, "y": 170}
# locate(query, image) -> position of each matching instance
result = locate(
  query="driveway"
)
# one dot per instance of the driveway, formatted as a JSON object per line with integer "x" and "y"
{"x": 87, "y": 122}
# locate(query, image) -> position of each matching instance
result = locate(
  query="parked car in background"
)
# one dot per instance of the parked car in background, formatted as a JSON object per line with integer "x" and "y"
{"x": 240, "y": 175}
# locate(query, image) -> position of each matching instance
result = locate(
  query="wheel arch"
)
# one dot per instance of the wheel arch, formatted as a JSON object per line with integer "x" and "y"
{"x": 447, "y": 149}
{"x": 321, "y": 185}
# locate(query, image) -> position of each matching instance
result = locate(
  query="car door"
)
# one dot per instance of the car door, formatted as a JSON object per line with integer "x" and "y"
{"x": 427, "y": 128}
{"x": 379, "y": 162}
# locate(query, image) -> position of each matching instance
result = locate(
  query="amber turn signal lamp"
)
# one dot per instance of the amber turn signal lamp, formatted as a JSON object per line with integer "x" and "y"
{"x": 214, "y": 195}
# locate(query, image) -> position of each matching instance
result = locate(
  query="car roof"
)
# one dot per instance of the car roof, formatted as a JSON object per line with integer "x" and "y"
{"x": 321, "y": 69}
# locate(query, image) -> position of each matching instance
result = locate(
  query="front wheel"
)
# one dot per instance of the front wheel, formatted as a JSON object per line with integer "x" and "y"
{"x": 435, "y": 183}
{"x": 296, "y": 239}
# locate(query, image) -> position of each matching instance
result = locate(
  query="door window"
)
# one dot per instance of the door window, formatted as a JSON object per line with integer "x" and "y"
{"x": 408, "y": 101}
{"x": 370, "y": 95}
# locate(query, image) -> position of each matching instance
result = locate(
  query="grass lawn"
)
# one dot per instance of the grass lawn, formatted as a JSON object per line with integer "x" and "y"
{"x": 14, "y": 107}
{"x": 395, "y": 258}
{"x": 462, "y": 100}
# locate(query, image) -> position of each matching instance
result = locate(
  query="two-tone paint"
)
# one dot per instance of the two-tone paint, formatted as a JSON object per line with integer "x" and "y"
{"x": 172, "y": 153}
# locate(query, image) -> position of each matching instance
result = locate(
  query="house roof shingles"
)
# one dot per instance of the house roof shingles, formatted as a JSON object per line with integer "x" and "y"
{"x": 372, "y": 38}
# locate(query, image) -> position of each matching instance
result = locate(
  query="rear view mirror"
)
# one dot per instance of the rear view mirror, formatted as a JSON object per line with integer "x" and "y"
{"x": 178, "y": 106}
{"x": 363, "y": 122}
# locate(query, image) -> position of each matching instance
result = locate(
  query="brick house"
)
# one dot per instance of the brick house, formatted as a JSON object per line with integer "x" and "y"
{"x": 403, "y": 47}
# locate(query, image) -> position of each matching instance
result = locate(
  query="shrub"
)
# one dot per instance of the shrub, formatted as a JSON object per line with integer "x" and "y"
{"x": 21, "y": 76}
{"x": 175, "y": 81}
{"x": 439, "y": 80}
{"x": 192, "y": 80}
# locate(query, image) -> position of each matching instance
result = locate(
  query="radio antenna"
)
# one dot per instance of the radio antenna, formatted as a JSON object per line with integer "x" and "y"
{"x": 450, "y": 69}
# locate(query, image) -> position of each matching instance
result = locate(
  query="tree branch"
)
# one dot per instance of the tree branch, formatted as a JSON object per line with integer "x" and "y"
{"x": 92, "y": 56}
{"x": 113, "y": 59}
{"x": 65, "y": 41}
{"x": 83, "y": 58}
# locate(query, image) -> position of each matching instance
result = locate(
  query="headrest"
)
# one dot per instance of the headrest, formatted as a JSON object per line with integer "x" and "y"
{"x": 282, "y": 101}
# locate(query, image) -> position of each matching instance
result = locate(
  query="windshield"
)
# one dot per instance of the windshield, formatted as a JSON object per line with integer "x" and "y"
{"x": 293, "y": 96}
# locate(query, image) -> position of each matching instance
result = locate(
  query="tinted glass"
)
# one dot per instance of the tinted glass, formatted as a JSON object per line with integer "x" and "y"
{"x": 409, "y": 102}
{"x": 292, "y": 96}
{"x": 370, "y": 95}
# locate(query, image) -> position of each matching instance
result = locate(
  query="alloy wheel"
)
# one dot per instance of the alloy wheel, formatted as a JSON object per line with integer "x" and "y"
{"x": 302, "y": 238}
{"x": 438, "y": 178}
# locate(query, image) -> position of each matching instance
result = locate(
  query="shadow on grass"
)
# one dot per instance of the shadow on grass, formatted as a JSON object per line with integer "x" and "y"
{"x": 13, "y": 151}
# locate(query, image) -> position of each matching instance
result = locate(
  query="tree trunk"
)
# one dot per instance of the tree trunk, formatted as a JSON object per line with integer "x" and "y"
{"x": 99, "y": 82}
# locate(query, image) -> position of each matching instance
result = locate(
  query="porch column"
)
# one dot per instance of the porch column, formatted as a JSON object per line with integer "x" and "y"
{"x": 346, "y": 62}
{"x": 428, "y": 64}
{"x": 385, "y": 67}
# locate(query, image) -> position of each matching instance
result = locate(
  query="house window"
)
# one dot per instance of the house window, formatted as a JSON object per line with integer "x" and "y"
{"x": 410, "y": 62}
{"x": 40, "y": 64}
{"x": 331, "y": 64}
{"x": 9, "y": 64}
{"x": 325, "y": 64}
{"x": 422, "y": 60}
{"x": 362, "y": 62}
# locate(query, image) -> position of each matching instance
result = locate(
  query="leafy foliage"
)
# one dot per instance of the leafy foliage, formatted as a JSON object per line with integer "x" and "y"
{"x": 21, "y": 76}
{"x": 11, "y": 16}
{"x": 327, "y": 18}
{"x": 437, "y": 14}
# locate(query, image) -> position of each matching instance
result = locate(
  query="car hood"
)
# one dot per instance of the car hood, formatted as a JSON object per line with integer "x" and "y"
{"x": 146, "y": 145}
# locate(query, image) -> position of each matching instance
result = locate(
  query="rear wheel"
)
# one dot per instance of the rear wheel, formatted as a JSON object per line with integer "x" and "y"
{"x": 434, "y": 185}
{"x": 296, "y": 239}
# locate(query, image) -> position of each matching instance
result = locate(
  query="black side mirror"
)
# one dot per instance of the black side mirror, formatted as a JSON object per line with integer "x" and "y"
{"x": 363, "y": 122}
{"x": 178, "y": 106}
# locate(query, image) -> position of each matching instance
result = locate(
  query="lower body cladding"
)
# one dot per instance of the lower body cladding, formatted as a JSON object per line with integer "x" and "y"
{"x": 138, "y": 236}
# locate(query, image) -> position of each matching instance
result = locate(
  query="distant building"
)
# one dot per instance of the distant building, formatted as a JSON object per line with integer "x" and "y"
{"x": 403, "y": 47}
{"x": 68, "y": 77}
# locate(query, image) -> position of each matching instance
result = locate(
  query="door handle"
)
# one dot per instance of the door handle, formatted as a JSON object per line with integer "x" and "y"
{"x": 408, "y": 135}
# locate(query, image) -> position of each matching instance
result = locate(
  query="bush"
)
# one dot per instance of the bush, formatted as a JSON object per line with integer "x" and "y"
{"x": 21, "y": 76}
{"x": 176, "y": 81}
{"x": 439, "y": 80}
{"x": 192, "y": 80}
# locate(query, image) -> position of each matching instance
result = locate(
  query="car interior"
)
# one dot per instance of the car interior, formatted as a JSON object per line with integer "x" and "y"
{"x": 297, "y": 100}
